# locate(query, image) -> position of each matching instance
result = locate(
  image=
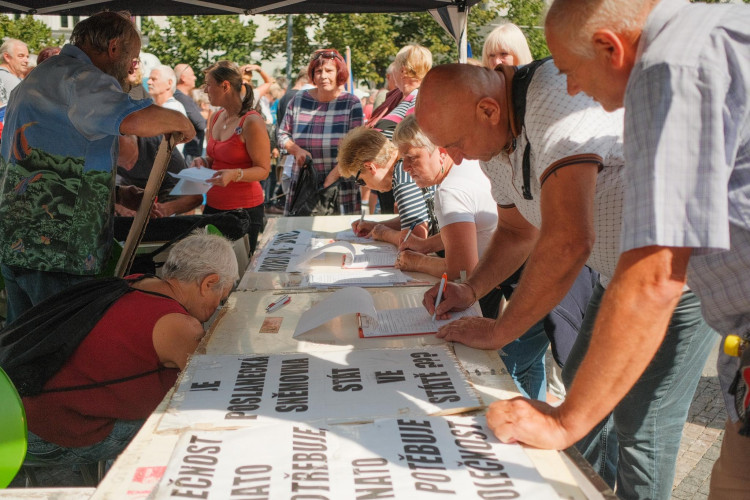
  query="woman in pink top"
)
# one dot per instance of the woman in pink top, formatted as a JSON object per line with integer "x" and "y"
{"x": 238, "y": 147}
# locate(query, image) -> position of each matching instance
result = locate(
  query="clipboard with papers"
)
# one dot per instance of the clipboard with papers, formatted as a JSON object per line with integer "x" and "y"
{"x": 410, "y": 320}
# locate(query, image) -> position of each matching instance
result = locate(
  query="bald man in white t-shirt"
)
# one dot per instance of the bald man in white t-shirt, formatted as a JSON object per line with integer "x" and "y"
{"x": 568, "y": 214}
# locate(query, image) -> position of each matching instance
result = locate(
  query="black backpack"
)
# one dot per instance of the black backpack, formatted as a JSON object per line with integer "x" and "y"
{"x": 519, "y": 88}
{"x": 35, "y": 346}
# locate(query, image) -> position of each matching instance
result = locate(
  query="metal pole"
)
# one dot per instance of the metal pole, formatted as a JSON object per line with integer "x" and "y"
{"x": 289, "y": 49}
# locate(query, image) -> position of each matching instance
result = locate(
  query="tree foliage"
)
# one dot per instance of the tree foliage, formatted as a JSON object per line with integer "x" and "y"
{"x": 34, "y": 33}
{"x": 374, "y": 39}
{"x": 529, "y": 16}
{"x": 199, "y": 40}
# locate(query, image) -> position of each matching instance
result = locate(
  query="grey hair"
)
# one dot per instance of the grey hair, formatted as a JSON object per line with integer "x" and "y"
{"x": 168, "y": 73}
{"x": 576, "y": 21}
{"x": 8, "y": 45}
{"x": 408, "y": 133}
{"x": 200, "y": 254}
{"x": 99, "y": 29}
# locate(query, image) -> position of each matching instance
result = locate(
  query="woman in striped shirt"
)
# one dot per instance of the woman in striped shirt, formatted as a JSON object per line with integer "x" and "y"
{"x": 372, "y": 159}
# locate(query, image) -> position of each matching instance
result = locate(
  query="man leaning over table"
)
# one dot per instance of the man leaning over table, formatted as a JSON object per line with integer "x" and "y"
{"x": 572, "y": 218}
{"x": 682, "y": 72}
{"x": 63, "y": 131}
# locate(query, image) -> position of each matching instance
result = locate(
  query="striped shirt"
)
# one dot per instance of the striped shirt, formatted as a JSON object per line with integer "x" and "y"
{"x": 412, "y": 206}
{"x": 389, "y": 122}
{"x": 317, "y": 127}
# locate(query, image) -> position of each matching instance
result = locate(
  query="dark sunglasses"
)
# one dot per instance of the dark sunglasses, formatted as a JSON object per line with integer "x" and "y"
{"x": 326, "y": 54}
{"x": 360, "y": 182}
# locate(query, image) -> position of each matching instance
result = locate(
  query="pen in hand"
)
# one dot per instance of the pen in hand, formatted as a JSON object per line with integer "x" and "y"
{"x": 443, "y": 282}
{"x": 411, "y": 228}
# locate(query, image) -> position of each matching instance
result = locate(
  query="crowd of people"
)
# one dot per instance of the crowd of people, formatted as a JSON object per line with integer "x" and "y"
{"x": 603, "y": 213}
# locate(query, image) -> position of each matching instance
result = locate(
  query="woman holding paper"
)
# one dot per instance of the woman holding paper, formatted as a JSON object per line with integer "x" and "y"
{"x": 467, "y": 215}
{"x": 238, "y": 147}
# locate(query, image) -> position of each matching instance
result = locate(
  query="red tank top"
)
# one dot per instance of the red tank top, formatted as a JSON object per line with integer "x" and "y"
{"x": 232, "y": 154}
{"x": 120, "y": 345}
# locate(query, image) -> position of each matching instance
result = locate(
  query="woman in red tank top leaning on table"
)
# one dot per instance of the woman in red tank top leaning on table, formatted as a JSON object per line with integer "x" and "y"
{"x": 238, "y": 147}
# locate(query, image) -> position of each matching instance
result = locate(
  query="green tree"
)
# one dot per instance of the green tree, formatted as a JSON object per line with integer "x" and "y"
{"x": 529, "y": 16}
{"x": 374, "y": 39}
{"x": 32, "y": 32}
{"x": 200, "y": 40}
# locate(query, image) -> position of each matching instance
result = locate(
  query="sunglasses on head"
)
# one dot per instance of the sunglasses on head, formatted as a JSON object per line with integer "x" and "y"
{"x": 326, "y": 54}
{"x": 360, "y": 182}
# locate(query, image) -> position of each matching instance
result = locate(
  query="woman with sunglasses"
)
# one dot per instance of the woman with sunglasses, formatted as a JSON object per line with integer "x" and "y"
{"x": 315, "y": 122}
{"x": 238, "y": 147}
{"x": 371, "y": 158}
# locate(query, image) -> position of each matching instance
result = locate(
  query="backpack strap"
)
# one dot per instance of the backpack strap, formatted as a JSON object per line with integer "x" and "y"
{"x": 520, "y": 78}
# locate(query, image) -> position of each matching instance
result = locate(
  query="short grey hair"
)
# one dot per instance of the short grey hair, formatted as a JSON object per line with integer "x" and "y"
{"x": 8, "y": 45}
{"x": 408, "y": 133}
{"x": 576, "y": 21}
{"x": 168, "y": 73}
{"x": 99, "y": 29}
{"x": 195, "y": 257}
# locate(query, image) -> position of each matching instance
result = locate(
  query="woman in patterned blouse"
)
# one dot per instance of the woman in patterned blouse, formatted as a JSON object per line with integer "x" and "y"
{"x": 316, "y": 120}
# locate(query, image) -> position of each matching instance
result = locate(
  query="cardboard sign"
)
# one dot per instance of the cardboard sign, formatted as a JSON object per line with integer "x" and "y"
{"x": 220, "y": 392}
{"x": 411, "y": 458}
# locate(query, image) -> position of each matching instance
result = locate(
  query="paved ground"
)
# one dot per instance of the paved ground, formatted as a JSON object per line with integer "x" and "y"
{"x": 701, "y": 439}
{"x": 699, "y": 449}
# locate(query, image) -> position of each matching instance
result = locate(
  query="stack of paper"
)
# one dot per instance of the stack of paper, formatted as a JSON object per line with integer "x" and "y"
{"x": 410, "y": 320}
{"x": 355, "y": 277}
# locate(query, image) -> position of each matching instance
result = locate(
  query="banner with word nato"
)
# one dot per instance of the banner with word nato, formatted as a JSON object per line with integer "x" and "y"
{"x": 412, "y": 458}
{"x": 230, "y": 391}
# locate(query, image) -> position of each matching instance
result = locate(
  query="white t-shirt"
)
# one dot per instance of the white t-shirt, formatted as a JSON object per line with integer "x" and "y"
{"x": 465, "y": 196}
{"x": 564, "y": 130}
{"x": 176, "y": 105}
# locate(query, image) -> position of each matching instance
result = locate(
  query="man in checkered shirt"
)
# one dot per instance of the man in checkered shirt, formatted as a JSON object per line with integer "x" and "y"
{"x": 682, "y": 73}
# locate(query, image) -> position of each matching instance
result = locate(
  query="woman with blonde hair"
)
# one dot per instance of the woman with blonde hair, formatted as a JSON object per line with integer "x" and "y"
{"x": 409, "y": 69}
{"x": 372, "y": 160}
{"x": 506, "y": 44}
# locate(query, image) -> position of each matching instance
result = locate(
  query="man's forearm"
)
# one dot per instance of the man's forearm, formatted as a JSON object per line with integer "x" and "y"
{"x": 155, "y": 120}
{"x": 505, "y": 254}
{"x": 630, "y": 326}
{"x": 550, "y": 271}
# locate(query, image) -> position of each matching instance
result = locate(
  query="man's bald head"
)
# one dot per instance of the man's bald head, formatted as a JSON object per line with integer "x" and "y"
{"x": 462, "y": 108}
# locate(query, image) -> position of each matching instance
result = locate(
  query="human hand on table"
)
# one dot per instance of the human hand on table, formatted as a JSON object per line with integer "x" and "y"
{"x": 530, "y": 422}
{"x": 456, "y": 297}
{"x": 379, "y": 232}
{"x": 408, "y": 260}
{"x": 473, "y": 332}
{"x": 413, "y": 243}
{"x": 363, "y": 228}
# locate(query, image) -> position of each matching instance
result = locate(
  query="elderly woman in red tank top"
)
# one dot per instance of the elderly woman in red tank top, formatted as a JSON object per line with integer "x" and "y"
{"x": 238, "y": 147}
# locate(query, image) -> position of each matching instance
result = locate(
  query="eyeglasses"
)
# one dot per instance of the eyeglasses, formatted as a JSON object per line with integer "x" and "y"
{"x": 326, "y": 54}
{"x": 136, "y": 62}
{"x": 360, "y": 182}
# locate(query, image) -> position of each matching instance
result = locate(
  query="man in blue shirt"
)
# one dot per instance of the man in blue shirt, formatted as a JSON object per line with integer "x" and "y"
{"x": 63, "y": 132}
